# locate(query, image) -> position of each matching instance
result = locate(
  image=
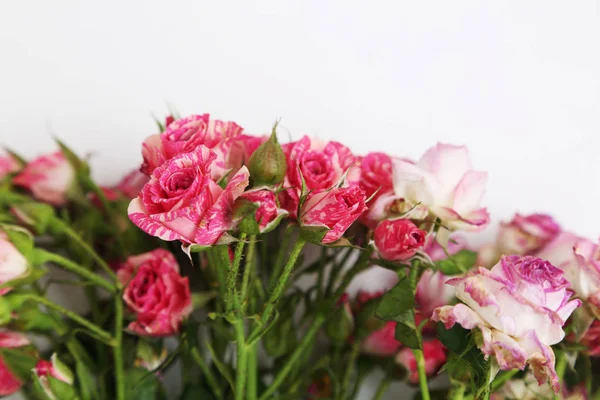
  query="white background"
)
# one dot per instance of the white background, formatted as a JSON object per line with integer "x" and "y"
{"x": 517, "y": 81}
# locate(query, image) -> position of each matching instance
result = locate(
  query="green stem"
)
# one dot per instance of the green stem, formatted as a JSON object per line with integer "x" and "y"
{"x": 242, "y": 360}
{"x": 88, "y": 249}
{"x": 382, "y": 388}
{"x": 210, "y": 378}
{"x": 248, "y": 268}
{"x": 321, "y": 274}
{"x": 561, "y": 367}
{"x": 231, "y": 294}
{"x": 79, "y": 270}
{"x": 252, "y": 372}
{"x": 302, "y": 348}
{"x": 118, "y": 351}
{"x": 280, "y": 257}
{"x": 420, "y": 358}
{"x": 502, "y": 378}
{"x": 101, "y": 333}
{"x": 350, "y": 368}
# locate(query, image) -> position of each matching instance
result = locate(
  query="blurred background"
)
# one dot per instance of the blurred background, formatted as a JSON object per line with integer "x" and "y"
{"x": 518, "y": 82}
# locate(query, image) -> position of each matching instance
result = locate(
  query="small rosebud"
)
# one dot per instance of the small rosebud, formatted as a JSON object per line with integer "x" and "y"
{"x": 267, "y": 164}
{"x": 47, "y": 371}
{"x": 148, "y": 356}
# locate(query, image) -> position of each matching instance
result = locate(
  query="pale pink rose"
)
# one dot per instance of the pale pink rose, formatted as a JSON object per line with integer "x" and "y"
{"x": 579, "y": 258}
{"x": 9, "y": 382}
{"x": 376, "y": 174}
{"x": 390, "y": 206}
{"x": 334, "y": 209}
{"x": 8, "y": 165}
{"x": 12, "y": 263}
{"x": 522, "y": 236}
{"x": 321, "y": 164}
{"x": 268, "y": 212}
{"x": 132, "y": 184}
{"x": 398, "y": 240}
{"x": 434, "y": 353}
{"x": 185, "y": 135}
{"x": 55, "y": 369}
{"x": 156, "y": 292}
{"x": 48, "y": 177}
{"x": 520, "y": 307}
{"x": 444, "y": 182}
{"x": 183, "y": 202}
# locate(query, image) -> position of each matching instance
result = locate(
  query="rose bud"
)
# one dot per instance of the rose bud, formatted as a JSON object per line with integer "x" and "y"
{"x": 267, "y": 164}
{"x": 434, "y": 354}
{"x": 398, "y": 240}
{"x": 268, "y": 214}
{"x": 9, "y": 382}
{"x": 156, "y": 293}
{"x": 534, "y": 287}
{"x": 376, "y": 174}
{"x": 444, "y": 182}
{"x": 333, "y": 210}
{"x": 48, "y": 177}
{"x": 148, "y": 356}
{"x": 53, "y": 369}
{"x": 8, "y": 165}
{"x": 13, "y": 264}
{"x": 183, "y": 202}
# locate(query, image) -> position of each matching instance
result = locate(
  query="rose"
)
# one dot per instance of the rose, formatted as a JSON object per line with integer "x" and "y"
{"x": 535, "y": 288}
{"x": 8, "y": 165}
{"x": 381, "y": 340}
{"x": 591, "y": 339}
{"x": 389, "y": 206}
{"x": 12, "y": 263}
{"x": 444, "y": 182}
{"x": 398, "y": 240}
{"x": 48, "y": 177}
{"x": 376, "y": 174}
{"x": 9, "y": 382}
{"x": 268, "y": 212}
{"x": 156, "y": 293}
{"x": 242, "y": 148}
{"x": 52, "y": 369}
{"x": 333, "y": 210}
{"x": 434, "y": 354}
{"x": 185, "y": 135}
{"x": 320, "y": 164}
{"x": 524, "y": 235}
{"x": 183, "y": 202}
{"x": 579, "y": 258}
{"x": 132, "y": 184}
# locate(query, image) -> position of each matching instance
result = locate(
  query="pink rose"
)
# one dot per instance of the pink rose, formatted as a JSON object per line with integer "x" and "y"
{"x": 55, "y": 369}
{"x": 132, "y": 184}
{"x": 434, "y": 354}
{"x": 579, "y": 258}
{"x": 185, "y": 135}
{"x": 398, "y": 240}
{"x": 242, "y": 148}
{"x": 49, "y": 178}
{"x": 12, "y": 263}
{"x": 183, "y": 202}
{"x": 381, "y": 341}
{"x": 321, "y": 164}
{"x": 390, "y": 206}
{"x": 535, "y": 288}
{"x": 522, "y": 236}
{"x": 9, "y": 382}
{"x": 268, "y": 212}
{"x": 334, "y": 209}
{"x": 8, "y": 165}
{"x": 591, "y": 339}
{"x": 444, "y": 182}
{"x": 376, "y": 174}
{"x": 156, "y": 293}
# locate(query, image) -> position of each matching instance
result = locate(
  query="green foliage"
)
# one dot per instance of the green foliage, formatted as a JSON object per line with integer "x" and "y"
{"x": 458, "y": 263}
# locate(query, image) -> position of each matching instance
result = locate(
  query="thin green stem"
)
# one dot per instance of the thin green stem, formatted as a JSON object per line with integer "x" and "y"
{"x": 77, "y": 269}
{"x": 248, "y": 268}
{"x": 321, "y": 274}
{"x": 210, "y": 377}
{"x": 350, "y": 368}
{"x": 88, "y": 249}
{"x": 420, "y": 358}
{"x": 382, "y": 388}
{"x": 231, "y": 294}
{"x": 242, "y": 360}
{"x": 502, "y": 378}
{"x": 280, "y": 257}
{"x": 561, "y": 367}
{"x": 252, "y": 372}
{"x": 118, "y": 350}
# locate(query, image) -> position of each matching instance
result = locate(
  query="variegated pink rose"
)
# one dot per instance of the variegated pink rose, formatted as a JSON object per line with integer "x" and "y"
{"x": 520, "y": 307}
{"x": 185, "y": 135}
{"x": 434, "y": 353}
{"x": 444, "y": 182}
{"x": 398, "y": 240}
{"x": 48, "y": 177}
{"x": 376, "y": 174}
{"x": 320, "y": 164}
{"x": 183, "y": 202}
{"x": 8, "y": 165}
{"x": 12, "y": 263}
{"x": 9, "y": 382}
{"x": 156, "y": 292}
{"x": 268, "y": 213}
{"x": 52, "y": 369}
{"x": 334, "y": 210}
{"x": 579, "y": 258}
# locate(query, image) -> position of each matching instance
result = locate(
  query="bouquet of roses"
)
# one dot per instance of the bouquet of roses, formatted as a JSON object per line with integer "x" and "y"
{"x": 228, "y": 257}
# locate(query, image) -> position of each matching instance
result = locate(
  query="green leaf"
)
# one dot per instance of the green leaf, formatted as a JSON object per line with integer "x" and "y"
{"x": 457, "y": 264}
{"x": 78, "y": 164}
{"x": 21, "y": 238}
{"x": 245, "y": 212}
{"x": 406, "y": 330}
{"x": 313, "y": 233}
{"x": 5, "y": 311}
{"x": 196, "y": 392}
{"x": 396, "y": 302}
{"x": 20, "y": 361}
{"x": 456, "y": 338}
{"x": 85, "y": 379}
{"x": 31, "y": 318}
{"x": 141, "y": 385}
{"x": 62, "y": 390}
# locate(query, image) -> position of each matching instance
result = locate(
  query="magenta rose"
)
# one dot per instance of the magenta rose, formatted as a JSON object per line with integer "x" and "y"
{"x": 156, "y": 293}
{"x": 8, "y": 165}
{"x": 534, "y": 287}
{"x": 183, "y": 202}
{"x": 334, "y": 209}
{"x": 268, "y": 212}
{"x": 435, "y": 357}
{"x": 9, "y": 382}
{"x": 48, "y": 177}
{"x": 376, "y": 174}
{"x": 398, "y": 240}
{"x": 321, "y": 164}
